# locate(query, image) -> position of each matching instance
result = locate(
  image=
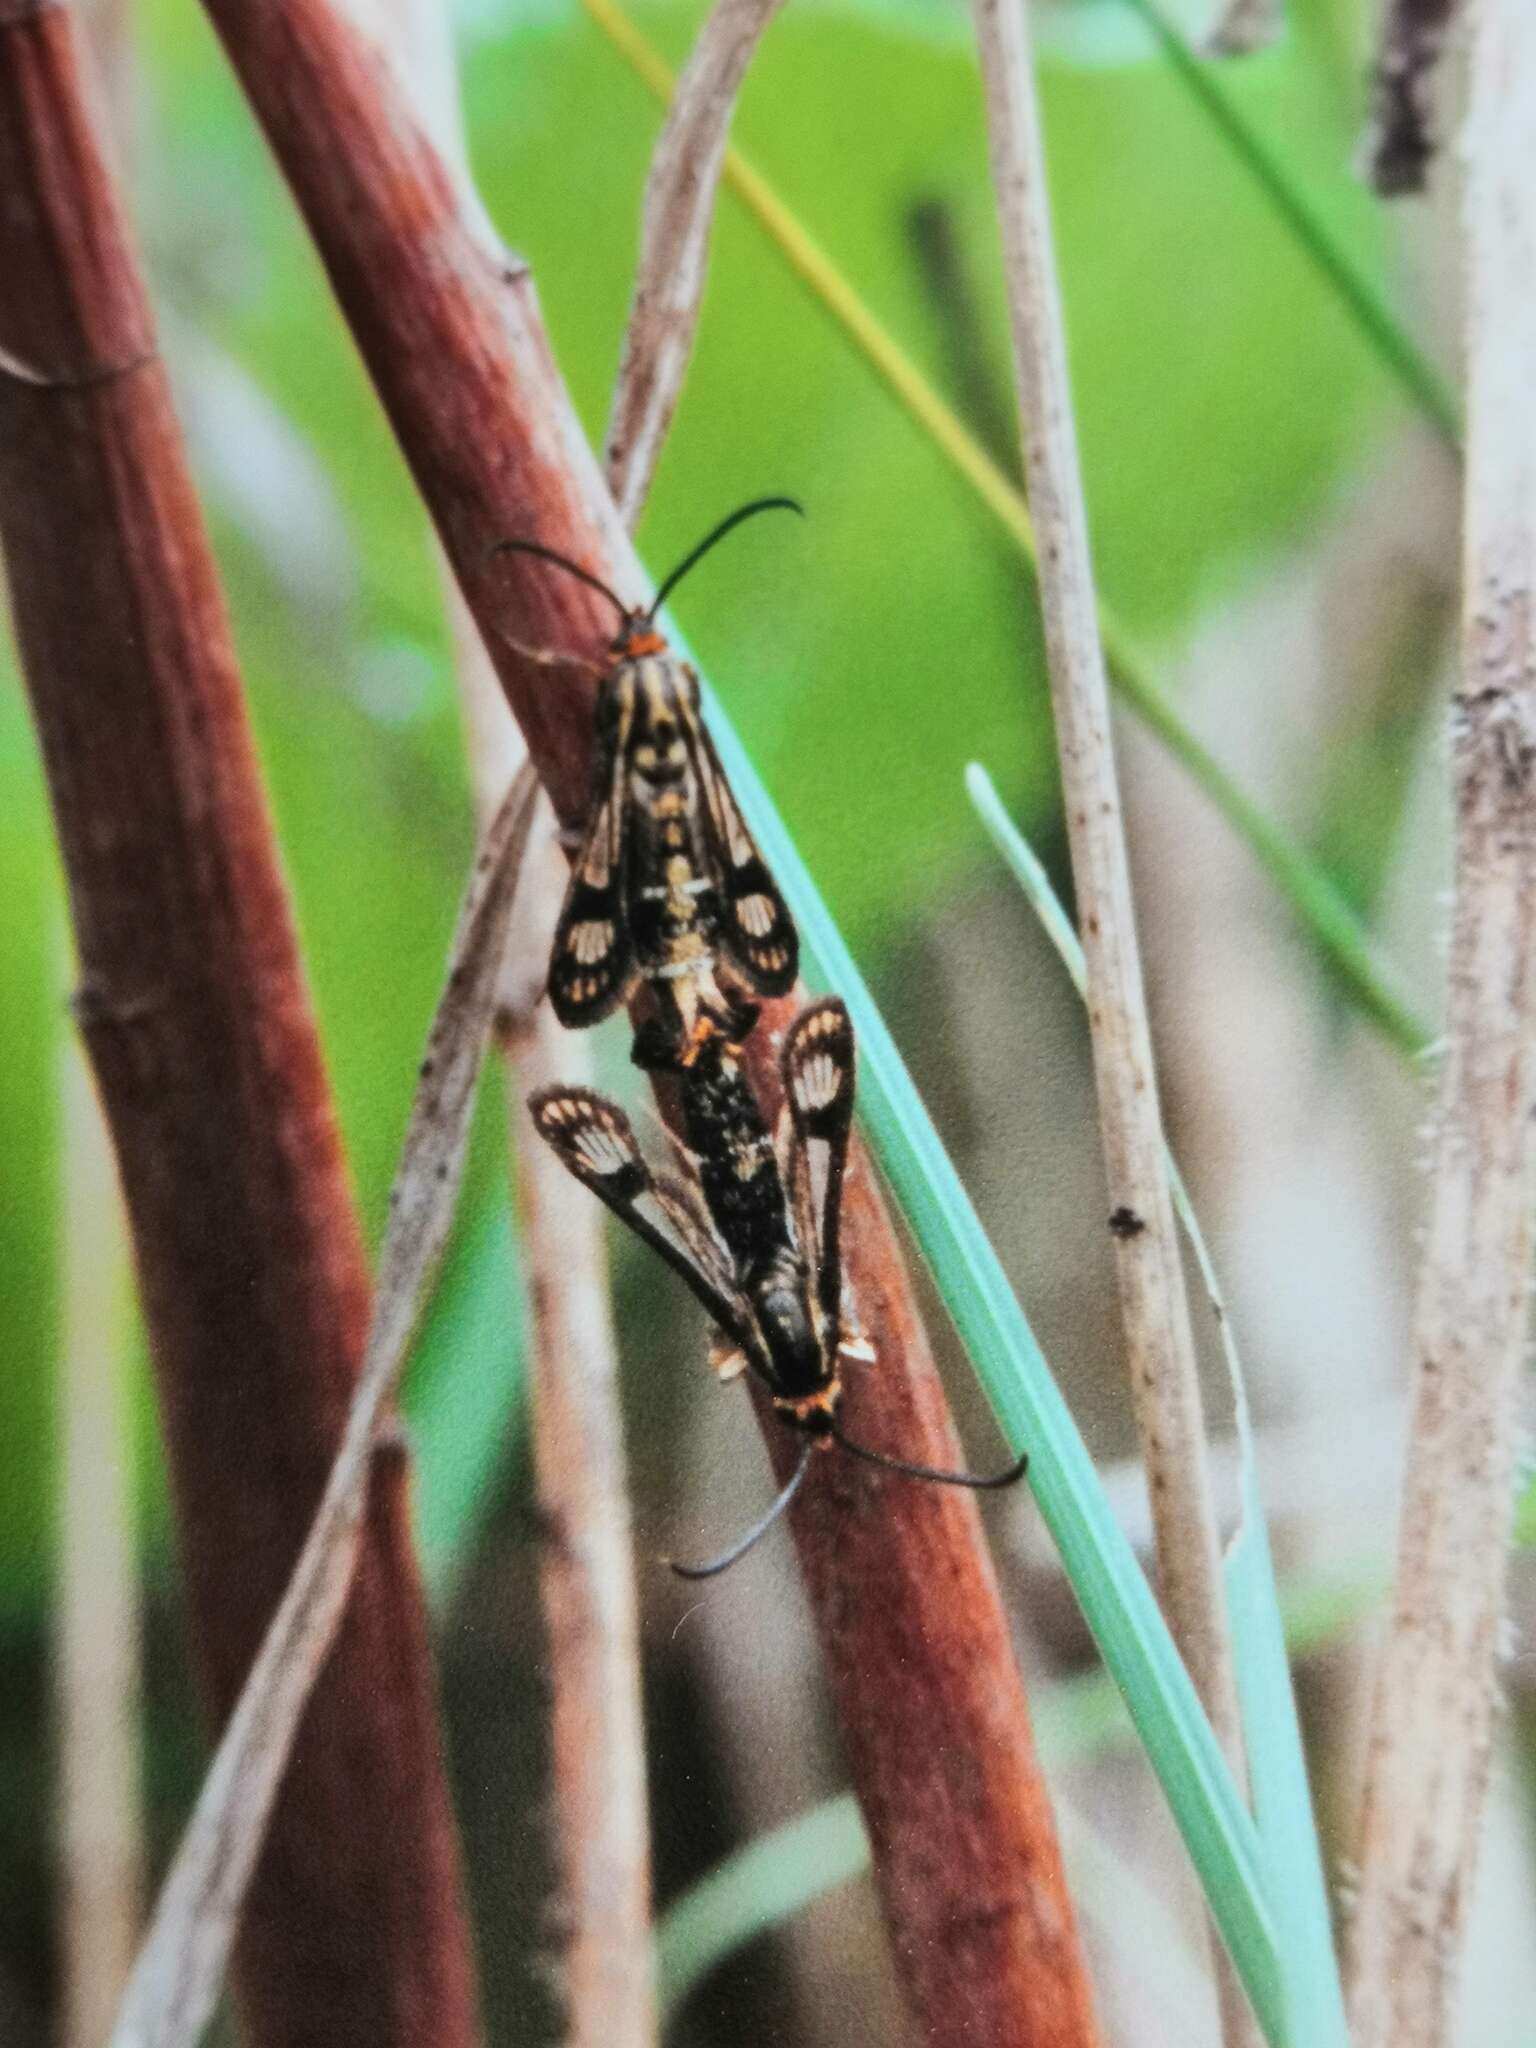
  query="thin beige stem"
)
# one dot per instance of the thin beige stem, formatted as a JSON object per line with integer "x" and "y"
{"x": 587, "y": 1575}
{"x": 1155, "y": 1307}
{"x": 602, "y": 1922}
{"x": 1432, "y": 1731}
{"x": 1160, "y": 1345}
{"x": 97, "y": 1674}
{"x": 100, "y": 1821}
{"x": 674, "y": 246}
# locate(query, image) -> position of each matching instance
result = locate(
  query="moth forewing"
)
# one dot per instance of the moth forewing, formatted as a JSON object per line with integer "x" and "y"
{"x": 591, "y": 964}
{"x": 596, "y": 1143}
{"x": 688, "y": 1220}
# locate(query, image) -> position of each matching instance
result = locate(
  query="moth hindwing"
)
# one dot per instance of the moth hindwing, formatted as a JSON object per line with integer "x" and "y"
{"x": 596, "y": 1142}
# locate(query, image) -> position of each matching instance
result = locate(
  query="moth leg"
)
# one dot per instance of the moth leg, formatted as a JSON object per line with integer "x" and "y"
{"x": 727, "y": 1360}
{"x": 662, "y": 1046}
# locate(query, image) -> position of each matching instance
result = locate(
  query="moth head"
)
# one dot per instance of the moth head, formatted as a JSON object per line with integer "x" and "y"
{"x": 637, "y": 635}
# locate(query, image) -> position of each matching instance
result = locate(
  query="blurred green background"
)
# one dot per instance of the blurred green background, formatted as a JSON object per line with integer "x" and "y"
{"x": 1228, "y": 405}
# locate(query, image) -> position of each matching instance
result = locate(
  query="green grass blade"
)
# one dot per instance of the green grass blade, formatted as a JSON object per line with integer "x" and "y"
{"x": 1277, "y": 1768}
{"x": 468, "y": 1396}
{"x": 1277, "y": 1775}
{"x": 1320, "y": 908}
{"x": 1110, "y": 1585}
{"x": 773, "y": 1877}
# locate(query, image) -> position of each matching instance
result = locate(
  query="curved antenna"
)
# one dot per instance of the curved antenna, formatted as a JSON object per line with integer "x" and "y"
{"x": 717, "y": 1565}
{"x": 981, "y": 1481}
{"x": 671, "y": 582}
{"x": 534, "y": 547}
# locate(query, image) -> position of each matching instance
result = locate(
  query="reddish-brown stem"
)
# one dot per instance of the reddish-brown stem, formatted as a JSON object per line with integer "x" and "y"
{"x": 194, "y": 1011}
{"x": 930, "y": 1701}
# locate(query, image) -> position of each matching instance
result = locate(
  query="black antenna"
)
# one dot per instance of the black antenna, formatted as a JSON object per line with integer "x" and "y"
{"x": 671, "y": 582}
{"x": 534, "y": 547}
{"x": 981, "y": 1481}
{"x": 738, "y": 1550}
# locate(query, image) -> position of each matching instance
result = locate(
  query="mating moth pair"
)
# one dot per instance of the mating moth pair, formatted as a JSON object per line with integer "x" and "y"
{"x": 668, "y": 890}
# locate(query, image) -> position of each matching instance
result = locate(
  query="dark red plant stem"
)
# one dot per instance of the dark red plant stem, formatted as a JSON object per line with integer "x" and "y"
{"x": 931, "y": 1704}
{"x": 195, "y": 1014}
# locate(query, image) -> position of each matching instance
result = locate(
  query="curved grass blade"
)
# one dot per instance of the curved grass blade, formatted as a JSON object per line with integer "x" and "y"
{"x": 1282, "y": 1796}
{"x": 772, "y": 1878}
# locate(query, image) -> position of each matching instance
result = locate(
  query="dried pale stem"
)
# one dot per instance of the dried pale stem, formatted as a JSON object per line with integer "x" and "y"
{"x": 1161, "y": 1347}
{"x": 1164, "y": 1373}
{"x": 929, "y": 1699}
{"x": 180, "y": 1968}
{"x": 587, "y": 1575}
{"x": 1401, "y": 144}
{"x": 602, "y": 1924}
{"x": 602, "y": 1921}
{"x": 194, "y": 1011}
{"x": 1427, "y": 1774}
{"x": 679, "y": 210}
{"x": 100, "y": 1823}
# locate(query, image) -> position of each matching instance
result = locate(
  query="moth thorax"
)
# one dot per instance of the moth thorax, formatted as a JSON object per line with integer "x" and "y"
{"x": 669, "y": 803}
{"x": 662, "y": 764}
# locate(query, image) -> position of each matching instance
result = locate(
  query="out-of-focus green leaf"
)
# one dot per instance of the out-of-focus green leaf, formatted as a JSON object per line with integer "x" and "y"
{"x": 34, "y": 986}
{"x": 897, "y": 624}
{"x": 755, "y": 1889}
{"x": 467, "y": 1396}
